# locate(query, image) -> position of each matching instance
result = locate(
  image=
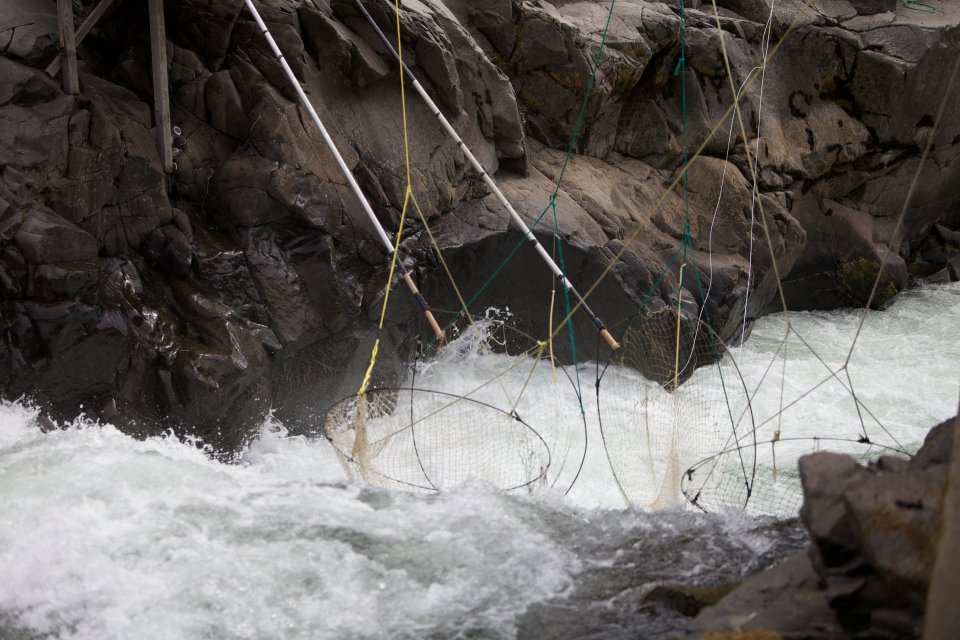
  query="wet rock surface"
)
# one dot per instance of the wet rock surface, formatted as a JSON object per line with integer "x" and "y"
{"x": 249, "y": 278}
{"x": 640, "y": 583}
{"x": 873, "y": 534}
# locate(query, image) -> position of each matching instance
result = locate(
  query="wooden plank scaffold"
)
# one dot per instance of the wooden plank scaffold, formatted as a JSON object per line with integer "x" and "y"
{"x": 69, "y": 39}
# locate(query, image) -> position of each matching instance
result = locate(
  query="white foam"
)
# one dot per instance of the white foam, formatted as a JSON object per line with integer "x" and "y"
{"x": 104, "y": 536}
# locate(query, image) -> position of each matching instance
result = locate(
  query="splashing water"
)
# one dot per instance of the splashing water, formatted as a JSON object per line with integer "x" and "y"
{"x": 103, "y": 536}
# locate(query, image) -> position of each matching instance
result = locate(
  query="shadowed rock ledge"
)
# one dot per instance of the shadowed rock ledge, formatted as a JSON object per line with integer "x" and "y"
{"x": 250, "y": 279}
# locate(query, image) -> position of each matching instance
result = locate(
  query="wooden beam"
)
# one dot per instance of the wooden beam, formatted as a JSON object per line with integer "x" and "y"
{"x": 161, "y": 84}
{"x": 68, "y": 46}
{"x": 92, "y": 18}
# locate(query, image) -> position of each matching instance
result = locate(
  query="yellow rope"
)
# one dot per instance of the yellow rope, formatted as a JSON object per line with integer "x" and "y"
{"x": 553, "y": 362}
{"x": 541, "y": 345}
{"x": 433, "y": 241}
{"x": 386, "y": 297}
{"x": 369, "y": 373}
{"x": 403, "y": 95}
{"x": 403, "y": 216}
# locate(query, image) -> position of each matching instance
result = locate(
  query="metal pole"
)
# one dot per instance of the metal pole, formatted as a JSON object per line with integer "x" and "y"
{"x": 488, "y": 180}
{"x": 384, "y": 238}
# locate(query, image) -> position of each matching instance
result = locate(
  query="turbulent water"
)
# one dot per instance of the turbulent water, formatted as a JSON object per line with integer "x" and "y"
{"x": 103, "y": 536}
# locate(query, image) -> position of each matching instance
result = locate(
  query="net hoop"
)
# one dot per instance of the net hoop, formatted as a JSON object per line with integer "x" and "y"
{"x": 402, "y": 452}
{"x": 494, "y": 333}
{"x": 674, "y": 416}
{"x": 790, "y": 497}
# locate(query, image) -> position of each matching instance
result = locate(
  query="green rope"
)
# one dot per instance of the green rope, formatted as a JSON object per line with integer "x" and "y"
{"x": 557, "y": 239}
{"x": 553, "y": 197}
{"x": 918, "y": 6}
{"x": 688, "y": 243}
{"x": 586, "y": 98}
{"x": 490, "y": 279}
{"x": 656, "y": 283}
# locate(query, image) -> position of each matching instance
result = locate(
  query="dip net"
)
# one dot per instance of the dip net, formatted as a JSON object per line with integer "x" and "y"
{"x": 669, "y": 396}
{"x": 678, "y": 421}
{"x": 446, "y": 428}
{"x": 428, "y": 440}
{"x": 783, "y": 415}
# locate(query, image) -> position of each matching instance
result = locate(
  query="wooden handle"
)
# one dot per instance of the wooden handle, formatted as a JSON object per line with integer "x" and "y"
{"x": 423, "y": 305}
{"x": 433, "y": 324}
{"x": 609, "y": 338}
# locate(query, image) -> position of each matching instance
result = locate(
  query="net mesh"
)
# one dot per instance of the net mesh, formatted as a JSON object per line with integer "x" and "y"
{"x": 448, "y": 429}
{"x": 677, "y": 419}
{"x": 428, "y": 440}
{"x": 660, "y": 412}
{"x": 773, "y": 487}
{"x": 523, "y": 379}
{"x": 783, "y": 411}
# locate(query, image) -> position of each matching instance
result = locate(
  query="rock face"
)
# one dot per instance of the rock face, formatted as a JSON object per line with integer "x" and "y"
{"x": 873, "y": 537}
{"x": 250, "y": 278}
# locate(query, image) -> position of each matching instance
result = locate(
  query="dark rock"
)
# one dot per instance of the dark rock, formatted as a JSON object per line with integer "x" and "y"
{"x": 874, "y": 538}
{"x": 786, "y": 602}
{"x": 206, "y": 27}
{"x": 28, "y": 31}
{"x": 64, "y": 281}
{"x": 225, "y": 106}
{"x": 339, "y": 49}
{"x": 895, "y": 516}
{"x": 254, "y": 251}
{"x": 688, "y": 600}
{"x": 826, "y": 477}
{"x": 241, "y": 188}
{"x": 169, "y": 249}
{"x": 46, "y": 238}
{"x": 870, "y": 7}
{"x": 937, "y": 447}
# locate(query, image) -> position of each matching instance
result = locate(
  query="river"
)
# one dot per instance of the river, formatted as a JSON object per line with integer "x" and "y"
{"x": 106, "y": 537}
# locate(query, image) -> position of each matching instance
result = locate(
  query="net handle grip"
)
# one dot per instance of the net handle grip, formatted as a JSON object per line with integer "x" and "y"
{"x": 427, "y": 313}
{"x": 609, "y": 338}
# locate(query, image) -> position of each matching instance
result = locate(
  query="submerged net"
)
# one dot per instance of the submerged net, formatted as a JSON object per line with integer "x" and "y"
{"x": 431, "y": 441}
{"x": 783, "y": 413}
{"x": 445, "y": 429}
{"x": 662, "y": 409}
{"x": 522, "y": 378}
{"x": 714, "y": 484}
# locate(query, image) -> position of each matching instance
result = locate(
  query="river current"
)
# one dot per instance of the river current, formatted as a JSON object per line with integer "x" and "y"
{"x": 106, "y": 537}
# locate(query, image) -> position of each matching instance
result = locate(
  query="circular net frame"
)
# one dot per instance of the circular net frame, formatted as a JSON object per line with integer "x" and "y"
{"x": 426, "y": 440}
{"x": 666, "y": 402}
{"x": 514, "y": 429}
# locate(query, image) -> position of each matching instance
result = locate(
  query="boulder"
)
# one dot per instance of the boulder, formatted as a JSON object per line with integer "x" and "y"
{"x": 874, "y": 539}
{"x": 46, "y": 238}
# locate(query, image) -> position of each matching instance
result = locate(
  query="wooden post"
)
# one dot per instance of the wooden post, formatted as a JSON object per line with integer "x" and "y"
{"x": 54, "y": 67}
{"x": 161, "y": 85}
{"x": 68, "y": 46}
